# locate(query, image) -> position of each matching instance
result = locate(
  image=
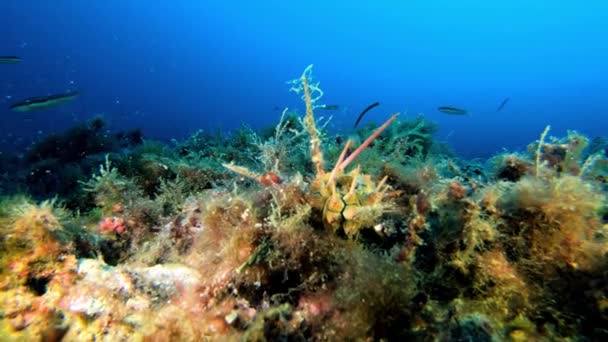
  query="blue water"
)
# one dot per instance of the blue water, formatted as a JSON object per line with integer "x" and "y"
{"x": 171, "y": 67}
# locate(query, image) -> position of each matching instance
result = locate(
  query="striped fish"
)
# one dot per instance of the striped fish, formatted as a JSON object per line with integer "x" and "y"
{"x": 43, "y": 102}
{"x": 9, "y": 59}
{"x": 452, "y": 110}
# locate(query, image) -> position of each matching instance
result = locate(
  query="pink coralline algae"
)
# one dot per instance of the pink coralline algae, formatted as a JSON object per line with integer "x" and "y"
{"x": 112, "y": 224}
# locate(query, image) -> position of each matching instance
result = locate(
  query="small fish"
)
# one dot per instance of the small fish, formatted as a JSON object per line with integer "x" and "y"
{"x": 9, "y": 59}
{"x": 502, "y": 104}
{"x": 452, "y": 110}
{"x": 327, "y": 107}
{"x": 367, "y": 109}
{"x": 43, "y": 102}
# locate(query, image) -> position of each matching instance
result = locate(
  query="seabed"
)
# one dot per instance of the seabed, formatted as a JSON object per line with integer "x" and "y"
{"x": 294, "y": 234}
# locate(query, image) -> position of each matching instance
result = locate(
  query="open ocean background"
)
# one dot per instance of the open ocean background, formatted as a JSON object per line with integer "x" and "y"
{"x": 172, "y": 67}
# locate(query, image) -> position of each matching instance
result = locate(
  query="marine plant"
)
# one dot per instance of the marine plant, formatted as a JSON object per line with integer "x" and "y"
{"x": 33, "y": 238}
{"x": 111, "y": 189}
{"x": 403, "y": 140}
{"x": 176, "y": 248}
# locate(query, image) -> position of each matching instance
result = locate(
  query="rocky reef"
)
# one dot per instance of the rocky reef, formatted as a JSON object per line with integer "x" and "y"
{"x": 296, "y": 234}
